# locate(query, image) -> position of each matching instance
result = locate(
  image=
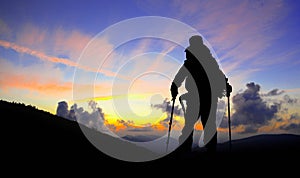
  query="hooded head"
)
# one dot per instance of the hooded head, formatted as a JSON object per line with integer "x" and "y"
{"x": 195, "y": 40}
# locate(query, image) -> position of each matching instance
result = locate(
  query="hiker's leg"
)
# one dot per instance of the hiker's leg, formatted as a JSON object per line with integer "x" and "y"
{"x": 208, "y": 120}
{"x": 191, "y": 117}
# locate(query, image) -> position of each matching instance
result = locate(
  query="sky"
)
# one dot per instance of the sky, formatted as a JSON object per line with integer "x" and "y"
{"x": 53, "y": 51}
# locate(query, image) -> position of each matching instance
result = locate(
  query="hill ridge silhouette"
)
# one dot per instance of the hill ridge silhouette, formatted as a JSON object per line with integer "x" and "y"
{"x": 32, "y": 123}
{"x": 43, "y": 138}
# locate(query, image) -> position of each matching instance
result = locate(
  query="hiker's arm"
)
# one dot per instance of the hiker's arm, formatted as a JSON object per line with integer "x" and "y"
{"x": 179, "y": 78}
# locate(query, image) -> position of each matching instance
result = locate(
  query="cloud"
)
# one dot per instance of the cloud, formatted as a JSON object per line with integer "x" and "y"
{"x": 251, "y": 110}
{"x": 287, "y": 99}
{"x": 70, "y": 43}
{"x": 38, "y": 54}
{"x": 274, "y": 92}
{"x": 129, "y": 126}
{"x": 167, "y": 107}
{"x": 5, "y": 30}
{"x": 142, "y": 129}
{"x": 295, "y": 117}
{"x": 94, "y": 119}
{"x": 284, "y": 123}
{"x": 50, "y": 46}
{"x": 62, "y": 109}
{"x": 240, "y": 31}
{"x": 89, "y": 65}
{"x": 58, "y": 42}
{"x": 293, "y": 125}
{"x": 33, "y": 78}
{"x": 224, "y": 122}
{"x": 285, "y": 120}
{"x": 33, "y": 36}
{"x": 243, "y": 25}
{"x": 38, "y": 83}
{"x": 164, "y": 124}
{"x": 35, "y": 84}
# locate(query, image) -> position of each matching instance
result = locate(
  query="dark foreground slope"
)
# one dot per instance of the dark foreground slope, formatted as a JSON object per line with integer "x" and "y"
{"x": 38, "y": 136}
{"x": 38, "y": 140}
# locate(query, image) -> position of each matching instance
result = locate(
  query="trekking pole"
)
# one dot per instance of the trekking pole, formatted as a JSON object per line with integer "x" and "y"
{"x": 228, "y": 100}
{"x": 181, "y": 103}
{"x": 228, "y": 91}
{"x": 170, "y": 123}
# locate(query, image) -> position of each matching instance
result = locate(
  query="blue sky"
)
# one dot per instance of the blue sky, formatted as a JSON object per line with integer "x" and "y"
{"x": 255, "y": 41}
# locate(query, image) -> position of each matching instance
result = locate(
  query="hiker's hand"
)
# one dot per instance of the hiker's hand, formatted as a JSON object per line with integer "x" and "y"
{"x": 174, "y": 90}
{"x": 228, "y": 89}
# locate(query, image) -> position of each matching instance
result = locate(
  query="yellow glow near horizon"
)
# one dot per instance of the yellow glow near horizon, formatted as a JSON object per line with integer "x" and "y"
{"x": 133, "y": 107}
{"x": 110, "y": 97}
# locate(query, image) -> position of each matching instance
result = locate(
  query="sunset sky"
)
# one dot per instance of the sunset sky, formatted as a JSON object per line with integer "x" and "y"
{"x": 46, "y": 50}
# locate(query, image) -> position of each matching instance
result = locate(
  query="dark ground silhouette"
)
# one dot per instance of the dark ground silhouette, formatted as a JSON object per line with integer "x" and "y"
{"x": 35, "y": 140}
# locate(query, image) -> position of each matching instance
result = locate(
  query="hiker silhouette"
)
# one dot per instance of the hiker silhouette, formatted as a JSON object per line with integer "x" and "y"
{"x": 205, "y": 83}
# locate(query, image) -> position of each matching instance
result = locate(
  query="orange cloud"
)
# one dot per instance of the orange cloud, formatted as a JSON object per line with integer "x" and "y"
{"x": 238, "y": 129}
{"x": 43, "y": 79}
{"x": 31, "y": 35}
{"x": 159, "y": 127}
{"x": 43, "y": 56}
{"x": 70, "y": 42}
{"x": 38, "y": 54}
{"x": 116, "y": 125}
{"x": 275, "y": 126}
{"x": 119, "y": 127}
{"x": 222, "y": 129}
{"x": 34, "y": 84}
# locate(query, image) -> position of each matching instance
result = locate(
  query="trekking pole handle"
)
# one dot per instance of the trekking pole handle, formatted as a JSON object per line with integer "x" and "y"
{"x": 228, "y": 88}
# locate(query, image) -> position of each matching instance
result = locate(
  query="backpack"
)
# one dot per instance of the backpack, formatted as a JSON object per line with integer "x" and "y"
{"x": 217, "y": 78}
